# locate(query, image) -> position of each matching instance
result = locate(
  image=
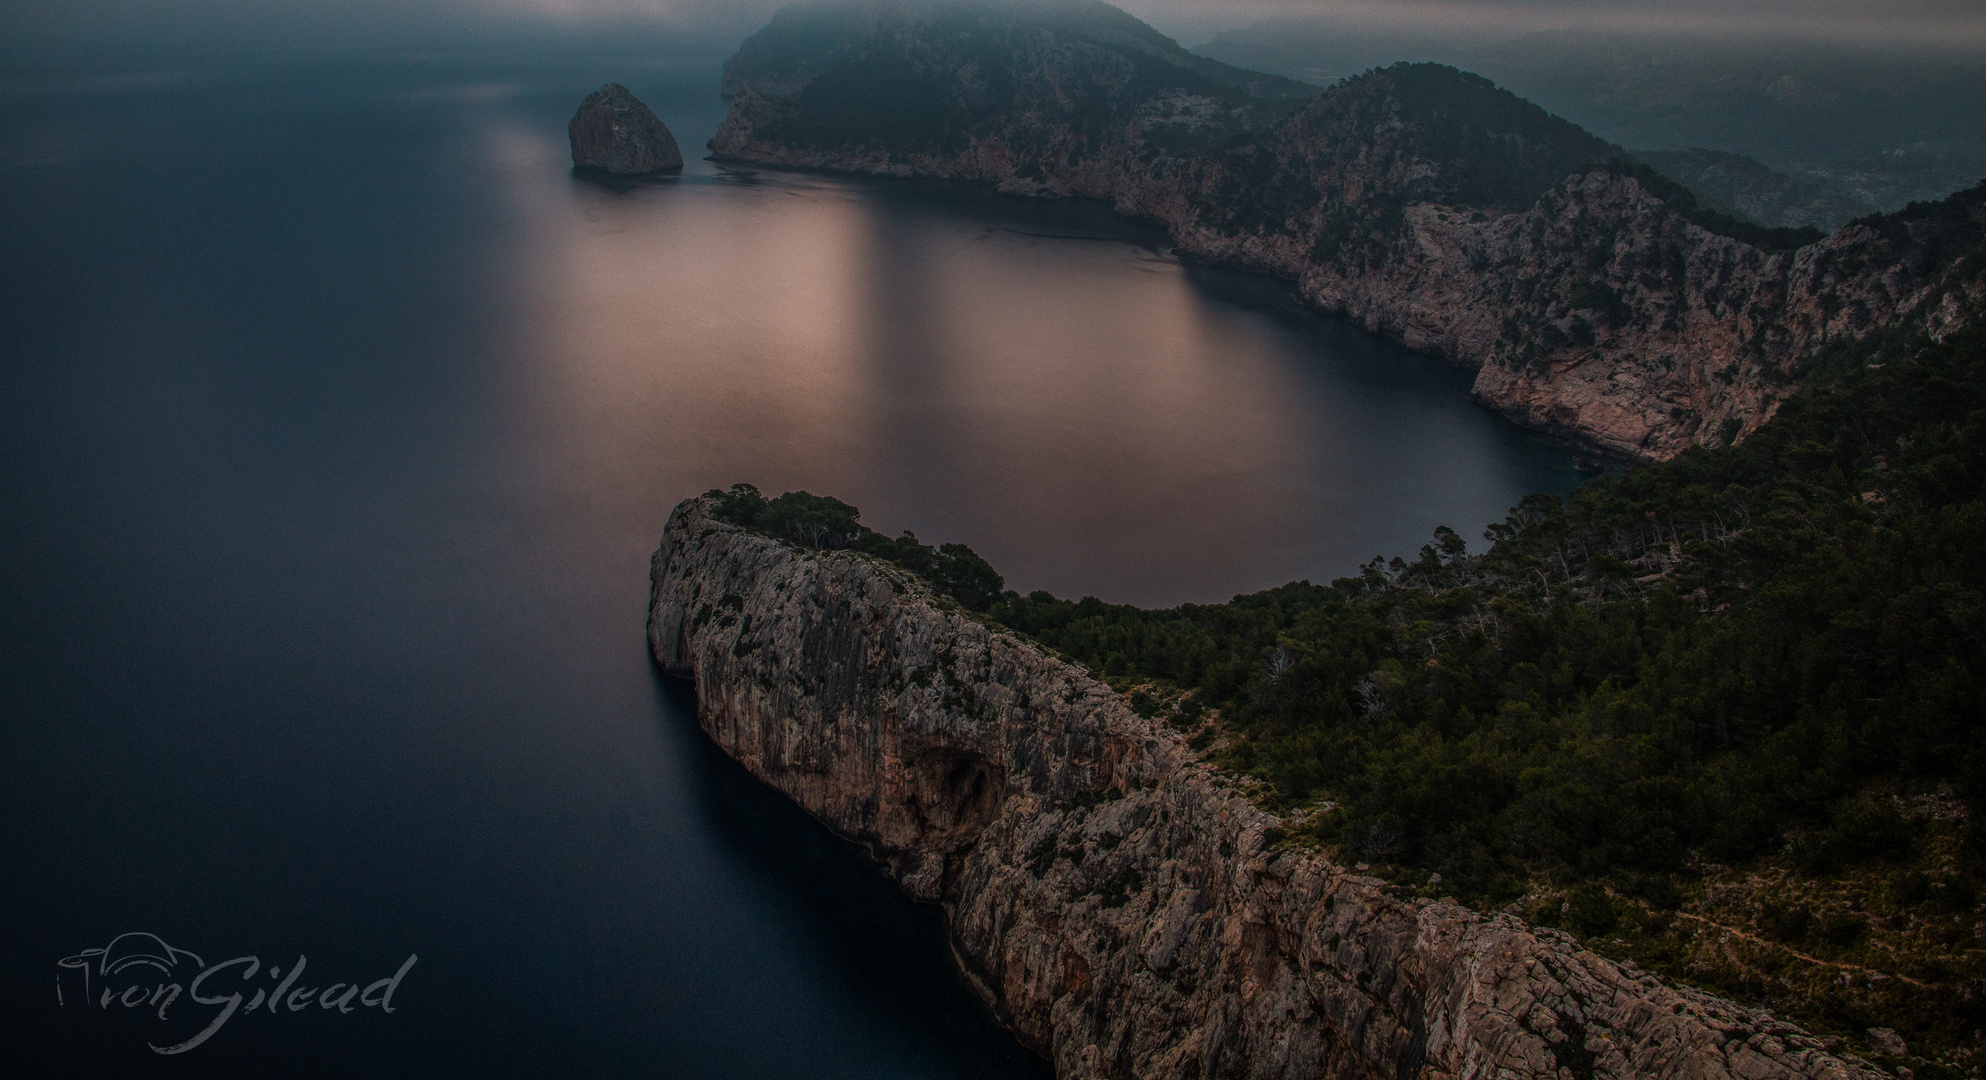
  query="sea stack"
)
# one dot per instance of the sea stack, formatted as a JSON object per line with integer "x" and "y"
{"x": 614, "y": 132}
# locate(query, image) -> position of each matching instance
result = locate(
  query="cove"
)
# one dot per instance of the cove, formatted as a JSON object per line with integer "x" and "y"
{"x": 338, "y": 421}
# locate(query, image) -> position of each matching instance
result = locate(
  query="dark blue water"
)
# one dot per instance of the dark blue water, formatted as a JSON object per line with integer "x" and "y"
{"x": 337, "y": 422}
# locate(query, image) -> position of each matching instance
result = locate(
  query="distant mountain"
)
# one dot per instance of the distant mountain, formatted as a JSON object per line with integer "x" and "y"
{"x": 1323, "y": 51}
{"x": 804, "y": 41}
{"x": 1785, "y": 104}
{"x": 1593, "y": 295}
{"x": 912, "y": 78}
{"x": 1891, "y": 180}
{"x": 1754, "y": 191}
{"x": 1864, "y": 123}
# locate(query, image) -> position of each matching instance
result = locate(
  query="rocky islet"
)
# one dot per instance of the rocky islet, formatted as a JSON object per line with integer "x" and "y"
{"x": 614, "y": 133}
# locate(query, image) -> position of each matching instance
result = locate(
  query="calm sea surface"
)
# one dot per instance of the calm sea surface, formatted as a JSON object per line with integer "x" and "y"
{"x": 337, "y": 423}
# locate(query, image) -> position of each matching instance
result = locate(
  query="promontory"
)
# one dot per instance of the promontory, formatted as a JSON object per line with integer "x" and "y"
{"x": 1116, "y": 902}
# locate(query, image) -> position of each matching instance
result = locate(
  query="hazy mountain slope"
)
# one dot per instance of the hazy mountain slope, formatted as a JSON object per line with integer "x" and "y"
{"x": 1880, "y": 126}
{"x": 1896, "y": 179}
{"x": 1754, "y": 191}
{"x": 1594, "y": 296}
{"x": 1784, "y": 103}
{"x": 956, "y": 76}
{"x": 1324, "y": 51}
{"x": 803, "y": 41}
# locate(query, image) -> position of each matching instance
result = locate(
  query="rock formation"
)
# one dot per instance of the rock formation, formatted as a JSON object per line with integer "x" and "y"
{"x": 1586, "y": 290}
{"x": 1118, "y": 905}
{"x": 615, "y": 133}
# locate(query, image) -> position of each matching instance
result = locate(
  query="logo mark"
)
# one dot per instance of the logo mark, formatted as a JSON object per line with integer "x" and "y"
{"x": 140, "y": 971}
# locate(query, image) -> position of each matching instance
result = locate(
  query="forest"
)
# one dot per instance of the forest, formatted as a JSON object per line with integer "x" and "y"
{"x": 1758, "y": 659}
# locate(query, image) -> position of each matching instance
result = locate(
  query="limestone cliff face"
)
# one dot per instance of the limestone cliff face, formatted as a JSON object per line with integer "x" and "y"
{"x": 1115, "y": 903}
{"x": 1420, "y": 200}
{"x": 1600, "y": 313}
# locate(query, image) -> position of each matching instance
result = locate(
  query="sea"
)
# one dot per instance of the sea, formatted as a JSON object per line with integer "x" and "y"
{"x": 338, "y": 421}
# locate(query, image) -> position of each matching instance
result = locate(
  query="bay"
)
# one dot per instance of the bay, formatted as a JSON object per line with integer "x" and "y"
{"x": 338, "y": 420}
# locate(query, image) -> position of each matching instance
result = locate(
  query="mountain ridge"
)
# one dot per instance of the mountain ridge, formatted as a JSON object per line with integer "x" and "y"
{"x": 1594, "y": 298}
{"x": 804, "y": 41}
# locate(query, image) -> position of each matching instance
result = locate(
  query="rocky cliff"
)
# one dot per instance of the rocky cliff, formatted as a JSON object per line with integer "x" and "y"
{"x": 1119, "y": 906}
{"x": 614, "y": 132}
{"x": 1593, "y": 296}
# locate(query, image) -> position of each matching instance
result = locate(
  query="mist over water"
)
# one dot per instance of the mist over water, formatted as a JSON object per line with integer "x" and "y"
{"x": 338, "y": 421}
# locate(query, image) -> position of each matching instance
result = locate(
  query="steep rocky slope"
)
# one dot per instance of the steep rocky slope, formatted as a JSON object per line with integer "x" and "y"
{"x": 1592, "y": 295}
{"x": 1118, "y": 907}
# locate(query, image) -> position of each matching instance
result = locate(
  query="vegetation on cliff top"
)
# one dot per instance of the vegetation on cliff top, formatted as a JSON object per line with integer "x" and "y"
{"x": 1755, "y": 664}
{"x": 822, "y": 523}
{"x": 1720, "y": 714}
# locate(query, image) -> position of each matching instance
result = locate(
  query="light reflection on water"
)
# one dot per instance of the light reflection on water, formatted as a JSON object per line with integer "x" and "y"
{"x": 337, "y": 423}
{"x": 1047, "y": 383}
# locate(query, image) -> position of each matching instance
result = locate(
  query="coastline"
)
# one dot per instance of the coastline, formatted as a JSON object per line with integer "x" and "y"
{"x": 1116, "y": 902}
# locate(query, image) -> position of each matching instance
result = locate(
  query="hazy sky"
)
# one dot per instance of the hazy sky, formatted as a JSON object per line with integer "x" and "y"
{"x": 1942, "y": 22}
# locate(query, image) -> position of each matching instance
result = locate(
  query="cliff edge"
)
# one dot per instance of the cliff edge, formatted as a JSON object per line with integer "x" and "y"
{"x": 1113, "y": 900}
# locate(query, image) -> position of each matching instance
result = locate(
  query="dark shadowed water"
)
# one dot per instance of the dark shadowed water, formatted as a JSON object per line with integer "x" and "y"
{"x": 337, "y": 423}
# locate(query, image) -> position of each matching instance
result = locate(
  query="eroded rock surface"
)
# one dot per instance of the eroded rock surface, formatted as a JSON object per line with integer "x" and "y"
{"x": 615, "y": 133}
{"x": 1109, "y": 897}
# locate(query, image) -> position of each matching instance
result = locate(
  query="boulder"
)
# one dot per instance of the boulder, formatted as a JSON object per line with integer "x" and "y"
{"x": 615, "y": 133}
{"x": 1887, "y": 1042}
